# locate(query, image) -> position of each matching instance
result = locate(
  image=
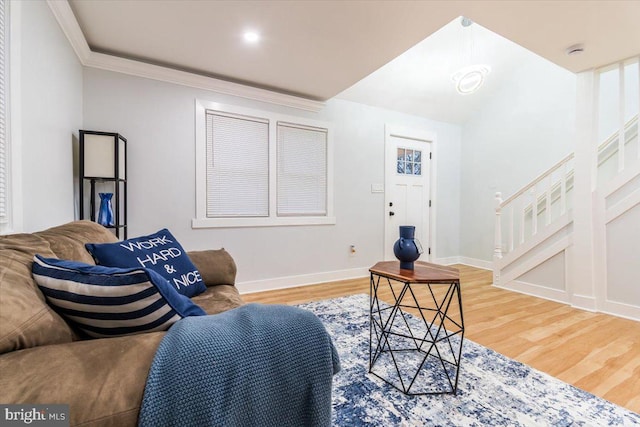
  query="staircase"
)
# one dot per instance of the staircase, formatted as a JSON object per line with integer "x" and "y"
{"x": 535, "y": 224}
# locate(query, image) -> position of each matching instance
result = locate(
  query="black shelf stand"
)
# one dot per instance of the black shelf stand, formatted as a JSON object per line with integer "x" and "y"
{"x": 114, "y": 173}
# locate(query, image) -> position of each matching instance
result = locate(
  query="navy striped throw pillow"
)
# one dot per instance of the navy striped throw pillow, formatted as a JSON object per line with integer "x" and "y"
{"x": 110, "y": 302}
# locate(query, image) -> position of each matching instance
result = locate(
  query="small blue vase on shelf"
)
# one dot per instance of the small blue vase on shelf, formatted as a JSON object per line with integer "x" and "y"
{"x": 407, "y": 249}
{"x": 105, "y": 214}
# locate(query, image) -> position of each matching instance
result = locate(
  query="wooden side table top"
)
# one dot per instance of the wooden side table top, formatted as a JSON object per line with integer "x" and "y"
{"x": 423, "y": 272}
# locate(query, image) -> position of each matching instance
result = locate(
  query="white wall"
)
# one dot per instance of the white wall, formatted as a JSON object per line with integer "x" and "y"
{"x": 50, "y": 96}
{"x": 549, "y": 274}
{"x": 526, "y": 128}
{"x": 609, "y": 99}
{"x": 623, "y": 268}
{"x": 158, "y": 121}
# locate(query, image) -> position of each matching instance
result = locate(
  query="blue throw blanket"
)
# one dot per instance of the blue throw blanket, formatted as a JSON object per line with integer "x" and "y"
{"x": 256, "y": 365}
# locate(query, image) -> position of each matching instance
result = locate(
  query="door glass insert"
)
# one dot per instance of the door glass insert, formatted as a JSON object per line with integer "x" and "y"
{"x": 401, "y": 163}
{"x": 409, "y": 162}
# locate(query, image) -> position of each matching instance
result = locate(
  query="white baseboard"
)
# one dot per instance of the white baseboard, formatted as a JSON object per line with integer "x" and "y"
{"x": 584, "y": 302}
{"x": 620, "y": 309}
{"x": 301, "y": 280}
{"x": 332, "y": 276}
{"x": 447, "y": 261}
{"x": 474, "y": 262}
{"x": 536, "y": 291}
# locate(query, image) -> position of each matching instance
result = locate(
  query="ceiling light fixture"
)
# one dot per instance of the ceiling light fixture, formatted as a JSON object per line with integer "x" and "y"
{"x": 251, "y": 37}
{"x": 470, "y": 78}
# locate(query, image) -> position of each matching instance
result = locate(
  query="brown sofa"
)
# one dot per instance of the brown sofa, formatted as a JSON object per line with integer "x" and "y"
{"x": 44, "y": 361}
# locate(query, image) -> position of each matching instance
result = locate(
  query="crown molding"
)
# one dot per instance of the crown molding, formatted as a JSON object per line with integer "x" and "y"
{"x": 67, "y": 21}
{"x": 69, "y": 24}
{"x": 164, "y": 74}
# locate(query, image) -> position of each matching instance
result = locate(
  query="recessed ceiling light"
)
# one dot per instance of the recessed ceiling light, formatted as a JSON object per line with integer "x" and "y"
{"x": 251, "y": 37}
{"x": 469, "y": 79}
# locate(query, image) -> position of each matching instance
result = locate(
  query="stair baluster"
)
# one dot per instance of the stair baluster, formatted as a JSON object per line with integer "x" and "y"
{"x": 497, "y": 250}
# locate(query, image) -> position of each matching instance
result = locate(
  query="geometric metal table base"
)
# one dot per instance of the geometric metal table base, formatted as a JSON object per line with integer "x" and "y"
{"x": 415, "y": 344}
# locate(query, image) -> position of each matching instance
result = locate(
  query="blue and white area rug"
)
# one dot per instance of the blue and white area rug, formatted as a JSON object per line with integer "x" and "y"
{"x": 493, "y": 390}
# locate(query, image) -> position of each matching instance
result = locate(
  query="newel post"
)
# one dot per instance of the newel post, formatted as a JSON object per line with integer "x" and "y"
{"x": 497, "y": 249}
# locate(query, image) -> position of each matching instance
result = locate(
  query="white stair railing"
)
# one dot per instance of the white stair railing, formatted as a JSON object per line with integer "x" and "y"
{"x": 616, "y": 143}
{"x": 536, "y": 205}
{"x": 534, "y": 225}
{"x": 533, "y": 207}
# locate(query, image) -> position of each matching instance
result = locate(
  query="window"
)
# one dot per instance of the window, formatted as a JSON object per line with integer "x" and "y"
{"x": 4, "y": 134}
{"x": 237, "y": 166}
{"x": 257, "y": 168}
{"x": 409, "y": 162}
{"x": 302, "y": 170}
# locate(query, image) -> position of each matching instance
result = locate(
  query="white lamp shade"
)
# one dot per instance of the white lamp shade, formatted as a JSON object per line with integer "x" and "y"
{"x": 99, "y": 156}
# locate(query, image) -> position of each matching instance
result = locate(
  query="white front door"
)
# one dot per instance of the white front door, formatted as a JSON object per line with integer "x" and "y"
{"x": 407, "y": 190}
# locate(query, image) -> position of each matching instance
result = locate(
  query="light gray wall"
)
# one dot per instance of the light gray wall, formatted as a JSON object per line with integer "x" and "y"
{"x": 609, "y": 99}
{"x": 623, "y": 268}
{"x": 158, "y": 121}
{"x": 526, "y": 128}
{"x": 51, "y": 114}
{"x": 549, "y": 274}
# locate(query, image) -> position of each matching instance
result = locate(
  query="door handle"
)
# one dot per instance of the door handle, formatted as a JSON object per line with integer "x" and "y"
{"x": 391, "y": 213}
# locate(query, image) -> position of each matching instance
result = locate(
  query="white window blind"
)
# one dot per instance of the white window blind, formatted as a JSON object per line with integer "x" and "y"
{"x": 4, "y": 142}
{"x": 237, "y": 165}
{"x": 302, "y": 170}
{"x": 258, "y": 168}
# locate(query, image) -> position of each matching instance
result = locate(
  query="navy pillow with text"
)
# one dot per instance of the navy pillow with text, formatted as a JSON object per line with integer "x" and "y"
{"x": 159, "y": 252}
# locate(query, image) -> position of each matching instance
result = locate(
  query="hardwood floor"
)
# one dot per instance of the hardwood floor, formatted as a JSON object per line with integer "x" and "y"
{"x": 596, "y": 352}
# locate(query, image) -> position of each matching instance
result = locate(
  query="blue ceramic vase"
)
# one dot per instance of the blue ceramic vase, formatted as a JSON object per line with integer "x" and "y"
{"x": 407, "y": 249}
{"x": 105, "y": 214}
